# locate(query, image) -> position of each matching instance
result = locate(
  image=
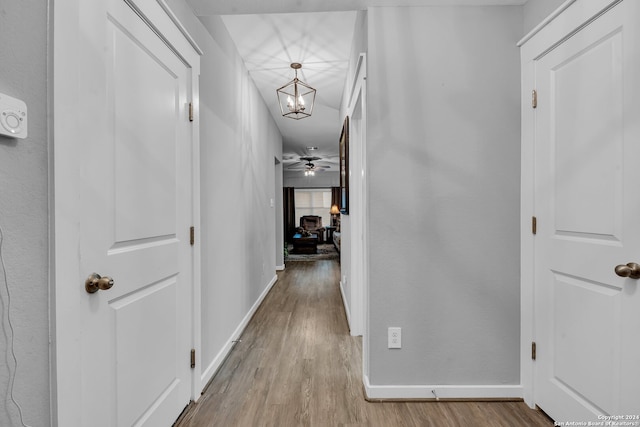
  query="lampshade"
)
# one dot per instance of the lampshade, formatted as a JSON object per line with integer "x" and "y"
{"x": 335, "y": 210}
{"x": 296, "y": 98}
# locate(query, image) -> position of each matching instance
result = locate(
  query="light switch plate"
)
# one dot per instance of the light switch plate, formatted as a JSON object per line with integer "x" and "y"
{"x": 13, "y": 117}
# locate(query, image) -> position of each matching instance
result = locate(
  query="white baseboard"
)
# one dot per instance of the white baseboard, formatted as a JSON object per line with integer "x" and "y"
{"x": 345, "y": 305}
{"x": 442, "y": 391}
{"x": 217, "y": 361}
{"x": 279, "y": 267}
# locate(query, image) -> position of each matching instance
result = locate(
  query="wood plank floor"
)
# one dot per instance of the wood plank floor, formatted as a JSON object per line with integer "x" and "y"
{"x": 297, "y": 365}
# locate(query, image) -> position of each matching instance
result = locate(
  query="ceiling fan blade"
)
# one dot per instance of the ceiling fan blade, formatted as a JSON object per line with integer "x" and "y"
{"x": 296, "y": 165}
{"x": 310, "y": 158}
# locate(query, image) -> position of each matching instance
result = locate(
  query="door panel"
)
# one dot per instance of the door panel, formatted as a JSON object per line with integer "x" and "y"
{"x": 582, "y": 305}
{"x": 145, "y": 96}
{"x": 585, "y": 88}
{"x": 587, "y": 204}
{"x": 145, "y": 340}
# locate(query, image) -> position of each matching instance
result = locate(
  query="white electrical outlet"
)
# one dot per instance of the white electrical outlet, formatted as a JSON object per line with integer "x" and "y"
{"x": 395, "y": 337}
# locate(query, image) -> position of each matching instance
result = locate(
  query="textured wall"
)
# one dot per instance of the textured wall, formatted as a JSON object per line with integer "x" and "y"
{"x": 24, "y": 175}
{"x": 443, "y": 149}
{"x": 239, "y": 144}
{"x": 239, "y": 141}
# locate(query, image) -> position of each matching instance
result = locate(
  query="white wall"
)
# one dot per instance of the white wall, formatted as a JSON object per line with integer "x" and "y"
{"x": 24, "y": 171}
{"x": 536, "y": 10}
{"x": 444, "y": 165}
{"x": 239, "y": 142}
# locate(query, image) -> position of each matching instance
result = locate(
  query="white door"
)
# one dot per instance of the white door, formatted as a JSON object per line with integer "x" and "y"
{"x": 123, "y": 353}
{"x": 587, "y": 200}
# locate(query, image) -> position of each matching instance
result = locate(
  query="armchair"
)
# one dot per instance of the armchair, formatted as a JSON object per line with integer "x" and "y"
{"x": 313, "y": 224}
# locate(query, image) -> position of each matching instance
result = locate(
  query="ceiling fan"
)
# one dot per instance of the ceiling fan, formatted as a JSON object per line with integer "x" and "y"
{"x": 305, "y": 164}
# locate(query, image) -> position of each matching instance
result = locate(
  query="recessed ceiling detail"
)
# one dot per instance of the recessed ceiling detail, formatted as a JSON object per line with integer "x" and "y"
{"x": 321, "y": 42}
{"x": 270, "y": 35}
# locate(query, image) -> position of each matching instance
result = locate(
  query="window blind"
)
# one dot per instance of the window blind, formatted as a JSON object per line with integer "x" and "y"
{"x": 313, "y": 201}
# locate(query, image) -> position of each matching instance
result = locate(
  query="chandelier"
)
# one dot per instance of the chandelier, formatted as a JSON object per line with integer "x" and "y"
{"x": 296, "y": 98}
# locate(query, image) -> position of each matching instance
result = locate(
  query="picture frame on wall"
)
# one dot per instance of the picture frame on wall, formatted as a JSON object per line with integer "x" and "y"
{"x": 344, "y": 168}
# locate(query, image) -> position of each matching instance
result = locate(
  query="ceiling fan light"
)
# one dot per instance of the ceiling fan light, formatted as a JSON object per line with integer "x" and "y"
{"x": 295, "y": 96}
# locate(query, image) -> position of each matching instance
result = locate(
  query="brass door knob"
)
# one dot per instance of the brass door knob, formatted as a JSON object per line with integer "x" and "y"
{"x": 95, "y": 282}
{"x": 631, "y": 270}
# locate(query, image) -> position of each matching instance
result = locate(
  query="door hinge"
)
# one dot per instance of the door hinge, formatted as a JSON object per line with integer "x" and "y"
{"x": 192, "y": 235}
{"x": 534, "y": 98}
{"x": 193, "y": 358}
{"x": 534, "y": 225}
{"x": 191, "y": 111}
{"x": 533, "y": 350}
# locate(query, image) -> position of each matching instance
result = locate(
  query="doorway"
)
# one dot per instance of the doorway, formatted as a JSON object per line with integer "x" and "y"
{"x": 125, "y": 204}
{"x": 580, "y": 139}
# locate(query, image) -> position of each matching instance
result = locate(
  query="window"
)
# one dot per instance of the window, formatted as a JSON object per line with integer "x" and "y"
{"x": 313, "y": 201}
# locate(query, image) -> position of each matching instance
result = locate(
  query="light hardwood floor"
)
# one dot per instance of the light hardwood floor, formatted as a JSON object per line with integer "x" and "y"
{"x": 297, "y": 365}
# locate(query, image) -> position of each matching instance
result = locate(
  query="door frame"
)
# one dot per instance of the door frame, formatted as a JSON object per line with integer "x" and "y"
{"x": 358, "y": 234}
{"x": 65, "y": 189}
{"x": 542, "y": 39}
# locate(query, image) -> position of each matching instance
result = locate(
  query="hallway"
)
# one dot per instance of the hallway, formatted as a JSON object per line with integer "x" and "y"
{"x": 297, "y": 365}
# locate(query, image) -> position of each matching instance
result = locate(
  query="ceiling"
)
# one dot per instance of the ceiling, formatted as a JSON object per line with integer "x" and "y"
{"x": 271, "y": 34}
{"x": 321, "y": 42}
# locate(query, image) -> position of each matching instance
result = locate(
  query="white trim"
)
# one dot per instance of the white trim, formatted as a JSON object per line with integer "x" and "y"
{"x": 558, "y": 29}
{"x": 217, "y": 361}
{"x": 527, "y": 241}
{"x": 357, "y": 78}
{"x": 591, "y": 10}
{"x": 358, "y": 199}
{"x": 66, "y": 228}
{"x": 163, "y": 4}
{"x": 347, "y": 311}
{"x": 545, "y": 22}
{"x": 441, "y": 391}
{"x": 280, "y": 267}
{"x": 167, "y": 26}
{"x": 196, "y": 299}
